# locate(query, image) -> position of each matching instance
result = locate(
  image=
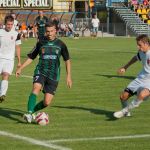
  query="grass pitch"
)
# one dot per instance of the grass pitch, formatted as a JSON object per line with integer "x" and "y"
{"x": 81, "y": 118}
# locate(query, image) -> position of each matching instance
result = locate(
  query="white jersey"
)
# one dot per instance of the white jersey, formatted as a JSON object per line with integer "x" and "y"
{"x": 8, "y": 41}
{"x": 95, "y": 22}
{"x": 143, "y": 78}
{"x": 145, "y": 59}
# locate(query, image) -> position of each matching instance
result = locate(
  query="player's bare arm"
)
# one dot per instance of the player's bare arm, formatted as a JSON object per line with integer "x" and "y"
{"x": 26, "y": 63}
{"x": 68, "y": 70}
{"x": 123, "y": 69}
{"x": 18, "y": 51}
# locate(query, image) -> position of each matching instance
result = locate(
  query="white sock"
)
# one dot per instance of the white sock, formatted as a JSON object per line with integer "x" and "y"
{"x": 4, "y": 87}
{"x": 135, "y": 103}
{"x": 0, "y": 87}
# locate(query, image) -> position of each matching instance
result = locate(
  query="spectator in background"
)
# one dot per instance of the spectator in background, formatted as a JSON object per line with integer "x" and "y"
{"x": 145, "y": 2}
{"x": 40, "y": 22}
{"x": 70, "y": 29}
{"x": 16, "y": 25}
{"x": 23, "y": 30}
{"x": 148, "y": 15}
{"x": 63, "y": 29}
{"x": 30, "y": 30}
{"x": 95, "y": 25}
{"x": 56, "y": 22}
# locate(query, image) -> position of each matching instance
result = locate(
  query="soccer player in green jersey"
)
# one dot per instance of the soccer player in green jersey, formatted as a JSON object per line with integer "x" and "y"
{"x": 40, "y": 22}
{"x": 47, "y": 71}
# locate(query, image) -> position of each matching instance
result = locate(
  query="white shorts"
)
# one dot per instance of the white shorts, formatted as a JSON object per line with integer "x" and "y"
{"x": 24, "y": 31}
{"x": 6, "y": 66}
{"x": 138, "y": 84}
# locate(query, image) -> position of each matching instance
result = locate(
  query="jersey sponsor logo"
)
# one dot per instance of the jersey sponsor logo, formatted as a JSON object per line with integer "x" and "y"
{"x": 11, "y": 37}
{"x": 49, "y": 57}
{"x": 50, "y": 44}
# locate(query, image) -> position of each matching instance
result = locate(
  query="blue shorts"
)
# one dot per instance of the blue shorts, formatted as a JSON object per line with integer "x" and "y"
{"x": 95, "y": 29}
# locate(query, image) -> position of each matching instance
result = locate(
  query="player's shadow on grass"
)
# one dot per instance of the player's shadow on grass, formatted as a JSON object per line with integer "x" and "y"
{"x": 116, "y": 76}
{"x": 108, "y": 114}
{"x": 13, "y": 114}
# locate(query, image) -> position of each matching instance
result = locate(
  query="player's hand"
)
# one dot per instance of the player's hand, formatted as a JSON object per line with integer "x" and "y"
{"x": 19, "y": 64}
{"x": 121, "y": 71}
{"x": 18, "y": 72}
{"x": 69, "y": 82}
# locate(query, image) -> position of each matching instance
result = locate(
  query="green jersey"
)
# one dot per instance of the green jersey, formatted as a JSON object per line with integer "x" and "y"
{"x": 49, "y": 57}
{"x": 41, "y": 22}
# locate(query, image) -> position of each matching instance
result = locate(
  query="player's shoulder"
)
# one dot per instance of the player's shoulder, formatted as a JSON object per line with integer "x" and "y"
{"x": 2, "y": 30}
{"x": 148, "y": 53}
{"x": 59, "y": 41}
{"x": 14, "y": 32}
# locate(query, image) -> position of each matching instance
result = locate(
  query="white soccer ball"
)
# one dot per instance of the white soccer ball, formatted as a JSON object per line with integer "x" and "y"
{"x": 42, "y": 118}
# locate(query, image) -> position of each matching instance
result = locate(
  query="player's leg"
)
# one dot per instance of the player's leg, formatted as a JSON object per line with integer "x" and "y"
{"x": 6, "y": 69}
{"x": 32, "y": 102}
{"x": 38, "y": 82}
{"x": 131, "y": 89}
{"x": 125, "y": 95}
{"x": 124, "y": 102}
{"x": 49, "y": 89}
{"x": 44, "y": 103}
{"x": 4, "y": 86}
{"x": 144, "y": 93}
{"x": 32, "y": 98}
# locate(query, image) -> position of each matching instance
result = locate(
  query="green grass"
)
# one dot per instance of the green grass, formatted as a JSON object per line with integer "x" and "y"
{"x": 86, "y": 110}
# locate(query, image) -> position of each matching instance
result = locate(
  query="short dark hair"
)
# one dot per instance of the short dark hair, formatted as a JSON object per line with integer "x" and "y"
{"x": 8, "y": 18}
{"x": 50, "y": 24}
{"x": 144, "y": 38}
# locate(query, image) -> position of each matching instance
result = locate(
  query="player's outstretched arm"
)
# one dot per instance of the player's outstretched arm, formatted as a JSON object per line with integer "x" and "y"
{"x": 68, "y": 71}
{"x": 26, "y": 63}
{"x": 123, "y": 69}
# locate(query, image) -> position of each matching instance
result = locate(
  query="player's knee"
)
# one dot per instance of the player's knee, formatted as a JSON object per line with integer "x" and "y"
{"x": 46, "y": 103}
{"x": 124, "y": 96}
{"x": 143, "y": 94}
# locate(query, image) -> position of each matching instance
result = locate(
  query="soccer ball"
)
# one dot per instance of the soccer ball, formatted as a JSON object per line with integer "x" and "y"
{"x": 42, "y": 118}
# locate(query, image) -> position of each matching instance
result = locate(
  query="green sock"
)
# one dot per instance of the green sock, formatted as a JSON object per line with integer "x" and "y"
{"x": 31, "y": 103}
{"x": 124, "y": 103}
{"x": 39, "y": 106}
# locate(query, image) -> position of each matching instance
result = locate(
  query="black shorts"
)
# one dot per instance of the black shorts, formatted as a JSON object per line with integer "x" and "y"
{"x": 49, "y": 86}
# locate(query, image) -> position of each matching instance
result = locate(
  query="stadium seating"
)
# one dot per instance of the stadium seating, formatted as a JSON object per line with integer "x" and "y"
{"x": 133, "y": 21}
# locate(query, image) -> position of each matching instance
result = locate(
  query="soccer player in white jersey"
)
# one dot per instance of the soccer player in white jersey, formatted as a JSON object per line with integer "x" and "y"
{"x": 141, "y": 84}
{"x": 8, "y": 40}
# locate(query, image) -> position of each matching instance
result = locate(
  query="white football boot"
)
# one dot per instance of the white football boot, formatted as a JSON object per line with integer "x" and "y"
{"x": 28, "y": 118}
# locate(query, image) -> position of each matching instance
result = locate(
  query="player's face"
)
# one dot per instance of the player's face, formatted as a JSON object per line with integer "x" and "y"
{"x": 142, "y": 46}
{"x": 51, "y": 33}
{"x": 9, "y": 25}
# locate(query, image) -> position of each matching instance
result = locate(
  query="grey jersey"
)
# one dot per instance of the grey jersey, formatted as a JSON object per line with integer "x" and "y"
{"x": 145, "y": 59}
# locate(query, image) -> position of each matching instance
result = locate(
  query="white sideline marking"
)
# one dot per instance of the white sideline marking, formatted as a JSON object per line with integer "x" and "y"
{"x": 25, "y": 76}
{"x": 102, "y": 138}
{"x": 33, "y": 141}
{"x": 89, "y": 49}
